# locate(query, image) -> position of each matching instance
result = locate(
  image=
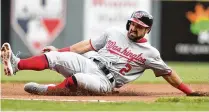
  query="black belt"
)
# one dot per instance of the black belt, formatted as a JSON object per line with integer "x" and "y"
{"x": 103, "y": 68}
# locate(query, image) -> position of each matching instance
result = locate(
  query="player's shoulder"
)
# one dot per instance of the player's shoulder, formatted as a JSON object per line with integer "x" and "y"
{"x": 153, "y": 52}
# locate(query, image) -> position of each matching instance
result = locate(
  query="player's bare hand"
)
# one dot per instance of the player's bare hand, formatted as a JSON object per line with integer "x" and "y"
{"x": 198, "y": 93}
{"x": 48, "y": 49}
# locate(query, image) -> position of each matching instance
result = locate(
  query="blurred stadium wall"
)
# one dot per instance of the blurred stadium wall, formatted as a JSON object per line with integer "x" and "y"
{"x": 30, "y": 25}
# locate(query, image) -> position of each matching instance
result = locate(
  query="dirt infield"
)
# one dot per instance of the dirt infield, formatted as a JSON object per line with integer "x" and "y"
{"x": 130, "y": 92}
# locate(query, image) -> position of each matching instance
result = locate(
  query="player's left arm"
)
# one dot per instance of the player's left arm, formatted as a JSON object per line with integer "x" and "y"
{"x": 174, "y": 79}
{"x": 159, "y": 67}
{"x": 176, "y": 82}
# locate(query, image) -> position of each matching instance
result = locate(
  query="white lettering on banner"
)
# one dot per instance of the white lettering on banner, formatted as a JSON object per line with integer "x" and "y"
{"x": 111, "y": 19}
{"x": 102, "y": 14}
{"x": 203, "y": 37}
{"x": 114, "y": 3}
{"x": 38, "y": 22}
{"x": 195, "y": 49}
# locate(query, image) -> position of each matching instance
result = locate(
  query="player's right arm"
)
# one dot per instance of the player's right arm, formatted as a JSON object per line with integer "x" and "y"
{"x": 80, "y": 48}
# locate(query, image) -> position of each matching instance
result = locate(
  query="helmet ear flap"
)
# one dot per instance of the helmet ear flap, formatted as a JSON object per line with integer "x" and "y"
{"x": 128, "y": 25}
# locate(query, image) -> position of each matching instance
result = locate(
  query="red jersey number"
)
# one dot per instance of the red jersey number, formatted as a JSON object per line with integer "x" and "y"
{"x": 126, "y": 69}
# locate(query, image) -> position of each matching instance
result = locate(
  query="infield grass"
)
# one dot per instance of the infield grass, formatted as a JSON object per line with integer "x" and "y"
{"x": 162, "y": 104}
{"x": 190, "y": 72}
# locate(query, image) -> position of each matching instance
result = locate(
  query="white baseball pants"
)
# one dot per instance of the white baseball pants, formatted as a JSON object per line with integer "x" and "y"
{"x": 85, "y": 70}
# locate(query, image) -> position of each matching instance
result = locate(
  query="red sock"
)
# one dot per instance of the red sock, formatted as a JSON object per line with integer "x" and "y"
{"x": 67, "y": 83}
{"x": 34, "y": 63}
{"x": 184, "y": 88}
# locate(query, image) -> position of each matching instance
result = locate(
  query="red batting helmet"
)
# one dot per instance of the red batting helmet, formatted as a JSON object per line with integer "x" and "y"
{"x": 142, "y": 18}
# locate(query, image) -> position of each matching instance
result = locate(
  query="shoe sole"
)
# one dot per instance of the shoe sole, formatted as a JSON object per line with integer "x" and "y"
{"x": 5, "y": 56}
{"x": 34, "y": 88}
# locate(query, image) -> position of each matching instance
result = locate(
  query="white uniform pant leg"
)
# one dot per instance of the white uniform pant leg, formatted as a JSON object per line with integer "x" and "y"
{"x": 66, "y": 63}
{"x": 85, "y": 70}
{"x": 93, "y": 82}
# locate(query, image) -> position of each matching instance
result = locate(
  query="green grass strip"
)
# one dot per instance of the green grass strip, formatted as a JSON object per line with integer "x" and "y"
{"x": 184, "y": 99}
{"x": 162, "y": 104}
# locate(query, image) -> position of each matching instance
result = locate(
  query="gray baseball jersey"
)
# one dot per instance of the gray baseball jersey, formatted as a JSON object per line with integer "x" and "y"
{"x": 126, "y": 59}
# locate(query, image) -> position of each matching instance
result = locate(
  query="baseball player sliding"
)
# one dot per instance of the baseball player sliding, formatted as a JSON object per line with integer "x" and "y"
{"x": 121, "y": 56}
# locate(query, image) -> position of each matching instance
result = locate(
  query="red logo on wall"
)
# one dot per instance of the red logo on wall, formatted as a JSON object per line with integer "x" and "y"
{"x": 38, "y": 22}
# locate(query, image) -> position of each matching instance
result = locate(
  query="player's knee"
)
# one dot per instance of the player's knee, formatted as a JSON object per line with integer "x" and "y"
{"x": 79, "y": 76}
{"x": 60, "y": 58}
{"x": 51, "y": 58}
{"x": 81, "y": 79}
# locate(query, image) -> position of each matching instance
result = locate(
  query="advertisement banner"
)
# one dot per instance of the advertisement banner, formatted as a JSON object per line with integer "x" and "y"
{"x": 38, "y": 22}
{"x": 102, "y": 14}
{"x": 185, "y": 31}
